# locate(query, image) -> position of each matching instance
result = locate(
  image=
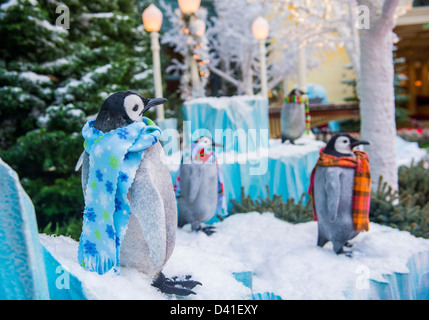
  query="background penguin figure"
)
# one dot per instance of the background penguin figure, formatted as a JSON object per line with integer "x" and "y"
{"x": 292, "y": 117}
{"x": 333, "y": 193}
{"x": 198, "y": 195}
{"x": 150, "y": 237}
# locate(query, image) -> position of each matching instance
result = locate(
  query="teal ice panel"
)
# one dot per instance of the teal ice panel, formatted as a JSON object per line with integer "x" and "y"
{"x": 22, "y": 270}
{"x": 62, "y": 284}
{"x": 240, "y": 123}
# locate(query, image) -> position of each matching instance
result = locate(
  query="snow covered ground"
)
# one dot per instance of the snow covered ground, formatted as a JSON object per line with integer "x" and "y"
{"x": 283, "y": 258}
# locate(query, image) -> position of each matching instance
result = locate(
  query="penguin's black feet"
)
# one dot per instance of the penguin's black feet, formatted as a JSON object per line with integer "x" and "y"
{"x": 175, "y": 285}
{"x": 348, "y": 244}
{"x": 208, "y": 230}
{"x": 348, "y": 254}
{"x": 186, "y": 282}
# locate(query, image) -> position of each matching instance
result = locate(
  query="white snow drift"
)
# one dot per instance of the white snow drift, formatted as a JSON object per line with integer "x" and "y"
{"x": 283, "y": 258}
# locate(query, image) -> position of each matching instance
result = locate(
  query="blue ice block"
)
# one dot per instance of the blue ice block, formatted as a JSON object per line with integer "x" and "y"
{"x": 22, "y": 267}
{"x": 240, "y": 123}
{"x": 62, "y": 284}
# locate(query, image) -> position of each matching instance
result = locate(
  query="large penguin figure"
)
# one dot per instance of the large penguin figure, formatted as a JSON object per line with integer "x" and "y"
{"x": 150, "y": 234}
{"x": 292, "y": 117}
{"x": 198, "y": 197}
{"x": 337, "y": 195}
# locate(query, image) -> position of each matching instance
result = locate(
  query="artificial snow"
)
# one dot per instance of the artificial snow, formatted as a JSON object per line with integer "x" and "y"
{"x": 86, "y": 79}
{"x": 283, "y": 258}
{"x": 408, "y": 153}
{"x": 34, "y": 77}
{"x": 98, "y": 15}
{"x": 47, "y": 25}
{"x": 142, "y": 75}
{"x": 56, "y": 63}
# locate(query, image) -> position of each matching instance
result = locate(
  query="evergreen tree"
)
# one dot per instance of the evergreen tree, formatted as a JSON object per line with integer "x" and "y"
{"x": 52, "y": 80}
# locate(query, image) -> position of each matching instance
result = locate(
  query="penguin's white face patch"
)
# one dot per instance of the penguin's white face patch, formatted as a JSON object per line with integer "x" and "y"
{"x": 205, "y": 141}
{"x": 133, "y": 106}
{"x": 342, "y": 145}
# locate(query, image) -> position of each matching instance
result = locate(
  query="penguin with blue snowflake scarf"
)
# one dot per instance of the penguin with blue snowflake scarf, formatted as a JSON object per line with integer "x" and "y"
{"x": 130, "y": 216}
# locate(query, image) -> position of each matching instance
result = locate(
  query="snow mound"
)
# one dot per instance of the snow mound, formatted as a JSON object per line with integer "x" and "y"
{"x": 283, "y": 258}
{"x": 408, "y": 153}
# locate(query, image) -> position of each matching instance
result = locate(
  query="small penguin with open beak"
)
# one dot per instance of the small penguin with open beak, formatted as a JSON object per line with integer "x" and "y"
{"x": 199, "y": 186}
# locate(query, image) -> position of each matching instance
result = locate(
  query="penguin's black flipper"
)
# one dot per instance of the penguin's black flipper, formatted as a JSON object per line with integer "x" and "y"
{"x": 169, "y": 286}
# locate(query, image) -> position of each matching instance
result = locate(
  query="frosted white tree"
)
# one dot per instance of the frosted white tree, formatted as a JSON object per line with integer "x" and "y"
{"x": 187, "y": 37}
{"x": 232, "y": 51}
{"x": 313, "y": 24}
{"x": 376, "y": 90}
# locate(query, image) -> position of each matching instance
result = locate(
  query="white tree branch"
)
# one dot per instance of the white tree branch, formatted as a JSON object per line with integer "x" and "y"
{"x": 386, "y": 23}
{"x": 222, "y": 74}
{"x": 389, "y": 8}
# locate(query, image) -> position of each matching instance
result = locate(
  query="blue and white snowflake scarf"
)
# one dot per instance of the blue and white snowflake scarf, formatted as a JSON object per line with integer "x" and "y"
{"x": 201, "y": 154}
{"x": 114, "y": 158}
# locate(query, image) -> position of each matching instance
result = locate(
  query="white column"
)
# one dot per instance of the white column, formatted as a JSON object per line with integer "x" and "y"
{"x": 263, "y": 61}
{"x": 195, "y": 78}
{"x": 302, "y": 68}
{"x": 157, "y": 72}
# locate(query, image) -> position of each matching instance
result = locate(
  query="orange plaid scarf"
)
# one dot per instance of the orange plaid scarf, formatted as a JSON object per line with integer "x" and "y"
{"x": 361, "y": 188}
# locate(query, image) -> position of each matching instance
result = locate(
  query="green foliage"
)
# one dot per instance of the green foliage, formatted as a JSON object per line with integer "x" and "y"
{"x": 400, "y": 210}
{"x": 353, "y": 84}
{"x": 51, "y": 80}
{"x": 71, "y": 228}
{"x": 414, "y": 181}
{"x": 289, "y": 211}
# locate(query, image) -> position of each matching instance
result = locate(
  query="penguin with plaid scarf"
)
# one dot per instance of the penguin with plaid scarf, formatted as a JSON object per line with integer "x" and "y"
{"x": 340, "y": 189}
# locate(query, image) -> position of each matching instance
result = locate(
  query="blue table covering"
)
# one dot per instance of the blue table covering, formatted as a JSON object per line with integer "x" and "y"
{"x": 285, "y": 168}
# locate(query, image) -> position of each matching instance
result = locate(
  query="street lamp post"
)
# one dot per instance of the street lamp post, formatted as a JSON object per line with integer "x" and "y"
{"x": 302, "y": 68}
{"x": 197, "y": 27}
{"x": 152, "y": 21}
{"x": 260, "y": 29}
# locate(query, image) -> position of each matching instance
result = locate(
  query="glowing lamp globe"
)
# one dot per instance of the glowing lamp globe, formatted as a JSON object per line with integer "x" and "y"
{"x": 152, "y": 18}
{"x": 260, "y": 28}
{"x": 189, "y": 6}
